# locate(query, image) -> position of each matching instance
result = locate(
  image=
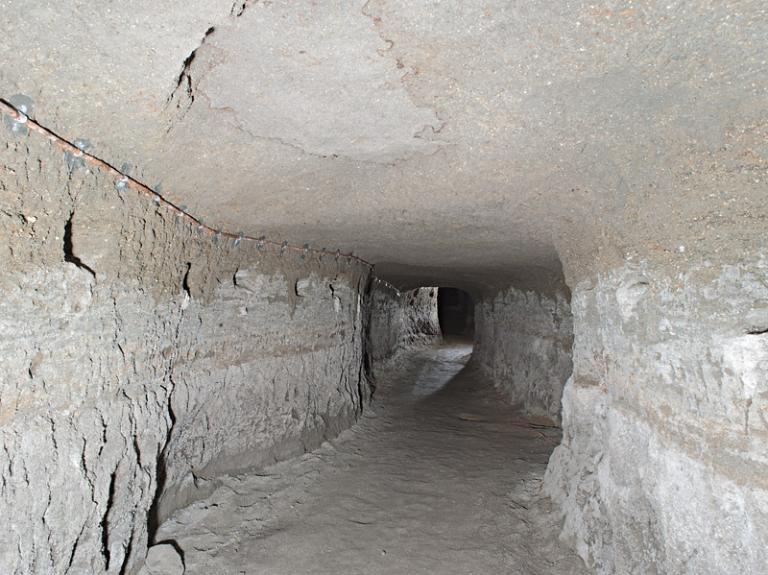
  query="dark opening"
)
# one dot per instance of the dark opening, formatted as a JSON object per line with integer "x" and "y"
{"x": 456, "y": 312}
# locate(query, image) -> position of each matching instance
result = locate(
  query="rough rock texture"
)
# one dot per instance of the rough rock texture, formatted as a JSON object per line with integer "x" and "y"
{"x": 162, "y": 559}
{"x": 438, "y": 478}
{"x": 663, "y": 463}
{"x": 477, "y": 144}
{"x": 478, "y": 138}
{"x": 401, "y": 320}
{"x": 523, "y": 344}
{"x": 141, "y": 356}
{"x": 260, "y": 378}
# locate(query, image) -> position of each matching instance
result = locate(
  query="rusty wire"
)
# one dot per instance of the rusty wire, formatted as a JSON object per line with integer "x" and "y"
{"x": 134, "y": 184}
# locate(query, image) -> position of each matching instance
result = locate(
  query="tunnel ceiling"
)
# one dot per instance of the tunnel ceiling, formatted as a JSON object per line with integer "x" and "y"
{"x": 434, "y": 139}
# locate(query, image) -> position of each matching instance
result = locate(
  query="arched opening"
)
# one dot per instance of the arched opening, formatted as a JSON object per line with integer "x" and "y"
{"x": 456, "y": 313}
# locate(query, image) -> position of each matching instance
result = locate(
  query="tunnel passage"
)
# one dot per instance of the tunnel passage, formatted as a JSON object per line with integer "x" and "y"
{"x": 422, "y": 485}
{"x": 456, "y": 312}
{"x": 593, "y": 174}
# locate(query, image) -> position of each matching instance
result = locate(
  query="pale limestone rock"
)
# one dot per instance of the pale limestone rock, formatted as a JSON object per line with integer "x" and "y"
{"x": 162, "y": 559}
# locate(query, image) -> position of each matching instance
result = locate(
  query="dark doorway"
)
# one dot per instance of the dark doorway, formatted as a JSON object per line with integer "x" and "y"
{"x": 456, "y": 312}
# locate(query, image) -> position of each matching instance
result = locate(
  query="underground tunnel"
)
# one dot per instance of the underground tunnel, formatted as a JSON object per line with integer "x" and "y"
{"x": 384, "y": 287}
{"x": 456, "y": 313}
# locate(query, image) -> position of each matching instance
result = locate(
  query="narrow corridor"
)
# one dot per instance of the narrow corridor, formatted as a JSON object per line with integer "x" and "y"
{"x": 439, "y": 477}
{"x": 217, "y": 217}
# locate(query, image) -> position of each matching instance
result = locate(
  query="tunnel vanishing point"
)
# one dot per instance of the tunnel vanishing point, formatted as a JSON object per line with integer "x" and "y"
{"x": 384, "y": 287}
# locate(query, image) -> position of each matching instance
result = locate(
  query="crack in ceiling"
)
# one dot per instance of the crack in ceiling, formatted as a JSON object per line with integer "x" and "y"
{"x": 384, "y": 124}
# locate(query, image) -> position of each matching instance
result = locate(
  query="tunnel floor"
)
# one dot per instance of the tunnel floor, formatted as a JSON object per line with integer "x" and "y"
{"x": 439, "y": 476}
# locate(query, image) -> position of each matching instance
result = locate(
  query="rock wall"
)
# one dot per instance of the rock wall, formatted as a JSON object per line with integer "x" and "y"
{"x": 523, "y": 343}
{"x": 262, "y": 375}
{"x": 663, "y": 463}
{"x": 141, "y": 356}
{"x": 401, "y": 319}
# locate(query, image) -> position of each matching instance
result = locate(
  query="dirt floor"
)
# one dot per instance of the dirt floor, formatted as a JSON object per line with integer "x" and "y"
{"x": 439, "y": 477}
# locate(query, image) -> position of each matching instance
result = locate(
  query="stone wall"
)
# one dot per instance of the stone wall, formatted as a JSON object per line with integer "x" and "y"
{"x": 523, "y": 345}
{"x": 140, "y": 357}
{"x": 663, "y": 464}
{"x": 260, "y": 377}
{"x": 401, "y": 319}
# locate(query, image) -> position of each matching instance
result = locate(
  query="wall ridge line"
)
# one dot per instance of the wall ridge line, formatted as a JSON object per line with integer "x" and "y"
{"x": 127, "y": 181}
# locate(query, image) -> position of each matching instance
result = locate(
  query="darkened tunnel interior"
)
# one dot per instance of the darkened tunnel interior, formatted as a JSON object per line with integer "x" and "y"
{"x": 456, "y": 311}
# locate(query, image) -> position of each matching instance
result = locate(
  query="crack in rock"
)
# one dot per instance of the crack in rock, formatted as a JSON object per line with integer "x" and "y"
{"x": 183, "y": 95}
